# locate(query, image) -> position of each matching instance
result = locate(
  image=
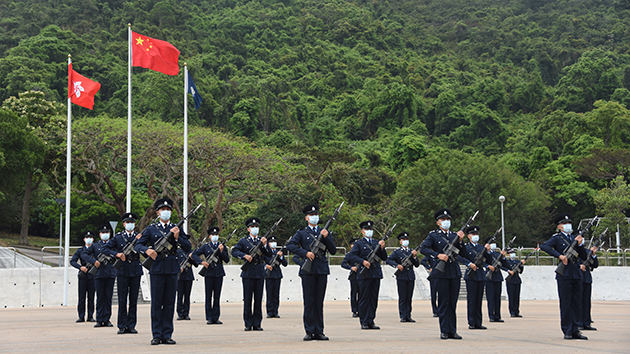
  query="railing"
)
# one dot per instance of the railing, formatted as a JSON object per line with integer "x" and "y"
{"x": 60, "y": 259}
{"x": 14, "y": 255}
{"x": 609, "y": 257}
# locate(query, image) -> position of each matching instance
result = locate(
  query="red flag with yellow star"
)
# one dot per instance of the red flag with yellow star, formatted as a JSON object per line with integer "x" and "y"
{"x": 154, "y": 54}
{"x": 81, "y": 90}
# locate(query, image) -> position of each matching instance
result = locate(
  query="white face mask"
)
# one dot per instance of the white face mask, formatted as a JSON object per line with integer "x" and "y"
{"x": 567, "y": 228}
{"x": 369, "y": 233}
{"x": 273, "y": 244}
{"x": 446, "y": 224}
{"x": 475, "y": 238}
{"x": 165, "y": 215}
{"x": 493, "y": 246}
{"x": 105, "y": 236}
{"x": 214, "y": 238}
{"x": 313, "y": 219}
{"x": 512, "y": 255}
{"x": 89, "y": 240}
{"x": 405, "y": 243}
{"x": 130, "y": 226}
{"x": 254, "y": 231}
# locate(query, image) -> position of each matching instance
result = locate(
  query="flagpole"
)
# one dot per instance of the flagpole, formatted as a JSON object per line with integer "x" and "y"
{"x": 68, "y": 170}
{"x": 186, "y": 225}
{"x": 129, "y": 59}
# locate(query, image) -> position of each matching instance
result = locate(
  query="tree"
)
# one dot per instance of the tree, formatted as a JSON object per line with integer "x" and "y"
{"x": 612, "y": 202}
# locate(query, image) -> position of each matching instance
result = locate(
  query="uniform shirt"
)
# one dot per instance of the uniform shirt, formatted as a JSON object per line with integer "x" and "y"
{"x": 346, "y": 264}
{"x": 515, "y": 279}
{"x": 586, "y": 274}
{"x": 91, "y": 256}
{"x": 77, "y": 262}
{"x": 397, "y": 258}
{"x": 131, "y": 266}
{"x": 467, "y": 256}
{"x": 428, "y": 263}
{"x": 257, "y": 267}
{"x": 556, "y": 245}
{"x": 165, "y": 262}
{"x": 360, "y": 251}
{"x": 214, "y": 270}
{"x": 276, "y": 272}
{"x": 434, "y": 245}
{"x": 187, "y": 274}
{"x": 496, "y": 275}
{"x": 300, "y": 245}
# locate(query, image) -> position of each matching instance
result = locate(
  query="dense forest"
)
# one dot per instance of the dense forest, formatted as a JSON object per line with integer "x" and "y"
{"x": 396, "y": 107}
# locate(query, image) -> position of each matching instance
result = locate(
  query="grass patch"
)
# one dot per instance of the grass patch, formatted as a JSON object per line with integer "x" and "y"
{"x": 35, "y": 241}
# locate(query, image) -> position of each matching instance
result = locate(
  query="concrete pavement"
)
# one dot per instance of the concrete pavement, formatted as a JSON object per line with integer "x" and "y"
{"x": 53, "y": 330}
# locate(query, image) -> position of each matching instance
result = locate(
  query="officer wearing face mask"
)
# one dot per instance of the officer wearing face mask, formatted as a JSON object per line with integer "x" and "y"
{"x": 493, "y": 286}
{"x": 184, "y": 288}
{"x": 570, "y": 283}
{"x": 475, "y": 277}
{"x": 405, "y": 281}
{"x": 254, "y": 278}
{"x": 164, "y": 271}
{"x": 272, "y": 283}
{"x": 447, "y": 283}
{"x": 370, "y": 281}
{"x": 104, "y": 278}
{"x": 86, "y": 281}
{"x": 128, "y": 276}
{"x": 513, "y": 285}
{"x": 214, "y": 274}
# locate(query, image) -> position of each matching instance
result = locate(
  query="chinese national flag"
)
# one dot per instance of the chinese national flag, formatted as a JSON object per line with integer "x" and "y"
{"x": 154, "y": 54}
{"x": 81, "y": 90}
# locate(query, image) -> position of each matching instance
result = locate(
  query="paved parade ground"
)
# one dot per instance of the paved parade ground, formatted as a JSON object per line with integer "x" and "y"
{"x": 53, "y": 330}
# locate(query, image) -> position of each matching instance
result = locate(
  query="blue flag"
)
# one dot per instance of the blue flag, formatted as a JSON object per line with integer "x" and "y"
{"x": 192, "y": 89}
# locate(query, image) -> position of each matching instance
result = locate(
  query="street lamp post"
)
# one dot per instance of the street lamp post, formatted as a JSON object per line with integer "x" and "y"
{"x": 61, "y": 202}
{"x": 502, "y": 199}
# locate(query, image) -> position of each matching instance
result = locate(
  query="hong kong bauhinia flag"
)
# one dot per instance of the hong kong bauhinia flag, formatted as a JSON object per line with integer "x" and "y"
{"x": 154, "y": 54}
{"x": 81, "y": 90}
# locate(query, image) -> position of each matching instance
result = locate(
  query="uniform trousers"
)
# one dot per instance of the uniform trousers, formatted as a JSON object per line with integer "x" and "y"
{"x": 163, "y": 289}
{"x": 213, "y": 297}
{"x": 474, "y": 299}
{"x": 128, "y": 287}
{"x": 493, "y": 295}
{"x": 252, "y": 290}
{"x": 570, "y": 295}
{"x": 587, "y": 289}
{"x": 433, "y": 289}
{"x": 368, "y": 300}
{"x": 405, "y": 294}
{"x": 448, "y": 293}
{"x": 514, "y": 298}
{"x": 272, "y": 286}
{"x": 313, "y": 292}
{"x": 104, "y": 294}
{"x": 184, "y": 287}
{"x": 354, "y": 295}
{"x": 86, "y": 292}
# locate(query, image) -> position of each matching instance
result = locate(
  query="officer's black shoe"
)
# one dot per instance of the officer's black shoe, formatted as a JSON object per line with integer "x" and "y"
{"x": 217, "y": 322}
{"x": 257, "y": 328}
{"x": 210, "y": 322}
{"x": 308, "y": 337}
{"x": 131, "y": 330}
{"x": 277, "y": 316}
{"x": 121, "y": 331}
{"x": 435, "y": 315}
{"x": 409, "y": 319}
{"x": 91, "y": 320}
{"x": 320, "y": 337}
{"x": 443, "y": 335}
{"x": 168, "y": 341}
{"x": 355, "y": 314}
{"x": 99, "y": 324}
{"x": 589, "y": 328}
{"x": 108, "y": 324}
{"x": 365, "y": 327}
{"x": 247, "y": 329}
{"x": 403, "y": 320}
{"x": 454, "y": 336}
{"x": 516, "y": 316}
{"x": 373, "y": 326}
{"x": 187, "y": 318}
{"x": 80, "y": 320}
{"x": 481, "y": 327}
{"x": 269, "y": 316}
{"x": 179, "y": 318}
{"x": 155, "y": 341}
{"x": 578, "y": 335}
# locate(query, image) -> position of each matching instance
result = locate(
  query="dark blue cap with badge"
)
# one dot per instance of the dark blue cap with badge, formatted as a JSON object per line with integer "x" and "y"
{"x": 311, "y": 209}
{"x": 473, "y": 229}
{"x": 442, "y": 214}
{"x": 563, "y": 219}
{"x": 129, "y": 217}
{"x": 272, "y": 238}
{"x": 213, "y": 230}
{"x": 368, "y": 225}
{"x": 88, "y": 234}
{"x": 163, "y": 202}
{"x": 105, "y": 228}
{"x": 252, "y": 221}
{"x": 403, "y": 236}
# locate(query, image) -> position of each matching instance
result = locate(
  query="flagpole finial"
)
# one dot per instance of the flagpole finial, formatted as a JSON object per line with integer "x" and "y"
{"x": 185, "y": 64}
{"x": 69, "y": 55}
{"x": 129, "y": 25}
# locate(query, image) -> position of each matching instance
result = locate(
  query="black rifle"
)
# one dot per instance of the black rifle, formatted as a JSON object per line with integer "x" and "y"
{"x": 165, "y": 243}
{"x": 214, "y": 257}
{"x": 189, "y": 262}
{"x": 571, "y": 250}
{"x": 317, "y": 246}
{"x": 518, "y": 268}
{"x": 406, "y": 262}
{"x": 479, "y": 256}
{"x": 275, "y": 261}
{"x": 589, "y": 256}
{"x": 372, "y": 257}
{"x": 450, "y": 250}
{"x": 103, "y": 259}
{"x": 256, "y": 251}
{"x": 496, "y": 262}
{"x": 129, "y": 250}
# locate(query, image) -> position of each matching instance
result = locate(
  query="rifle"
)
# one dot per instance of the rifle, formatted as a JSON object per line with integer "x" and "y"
{"x": 571, "y": 250}
{"x": 406, "y": 262}
{"x": 450, "y": 250}
{"x": 165, "y": 243}
{"x": 275, "y": 261}
{"x": 317, "y": 246}
{"x": 214, "y": 257}
{"x": 518, "y": 268}
{"x": 103, "y": 259}
{"x": 589, "y": 256}
{"x": 189, "y": 262}
{"x": 256, "y": 250}
{"x": 128, "y": 249}
{"x": 372, "y": 257}
{"x": 496, "y": 262}
{"x": 478, "y": 260}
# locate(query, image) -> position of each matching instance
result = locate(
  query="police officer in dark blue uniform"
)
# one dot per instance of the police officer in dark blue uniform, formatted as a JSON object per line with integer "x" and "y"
{"x": 513, "y": 285}
{"x": 163, "y": 273}
{"x": 370, "y": 281}
{"x": 86, "y": 281}
{"x": 427, "y": 263}
{"x": 570, "y": 283}
{"x": 254, "y": 278}
{"x": 184, "y": 288}
{"x": 104, "y": 278}
{"x": 587, "y": 288}
{"x": 407, "y": 278}
{"x": 272, "y": 282}
{"x": 354, "y": 283}
{"x": 128, "y": 276}
{"x": 475, "y": 277}
{"x": 213, "y": 280}
{"x": 447, "y": 283}
{"x": 314, "y": 282}
{"x": 493, "y": 286}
